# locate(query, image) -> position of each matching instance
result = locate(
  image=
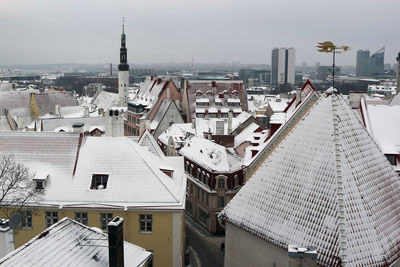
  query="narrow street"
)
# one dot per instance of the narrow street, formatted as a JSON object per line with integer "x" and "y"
{"x": 204, "y": 248}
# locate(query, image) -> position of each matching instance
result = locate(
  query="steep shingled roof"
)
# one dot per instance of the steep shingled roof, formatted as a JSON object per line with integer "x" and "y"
{"x": 69, "y": 243}
{"x": 293, "y": 197}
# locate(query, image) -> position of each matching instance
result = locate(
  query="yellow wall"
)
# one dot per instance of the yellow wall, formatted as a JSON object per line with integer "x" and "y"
{"x": 159, "y": 241}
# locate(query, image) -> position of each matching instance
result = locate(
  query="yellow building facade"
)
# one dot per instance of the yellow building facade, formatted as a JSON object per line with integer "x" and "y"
{"x": 160, "y": 240}
{"x": 134, "y": 187}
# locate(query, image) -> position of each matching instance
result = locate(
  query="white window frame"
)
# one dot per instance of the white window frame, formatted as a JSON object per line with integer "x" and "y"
{"x": 80, "y": 217}
{"x": 26, "y": 219}
{"x": 145, "y": 223}
{"x": 105, "y": 218}
{"x": 51, "y": 217}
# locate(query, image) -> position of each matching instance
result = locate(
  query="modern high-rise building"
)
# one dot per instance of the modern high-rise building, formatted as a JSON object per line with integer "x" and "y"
{"x": 282, "y": 66}
{"x": 376, "y": 63}
{"x": 123, "y": 72}
{"x": 362, "y": 63}
{"x": 370, "y": 66}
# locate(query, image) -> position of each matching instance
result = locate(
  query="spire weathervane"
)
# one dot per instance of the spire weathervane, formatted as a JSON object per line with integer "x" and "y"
{"x": 329, "y": 47}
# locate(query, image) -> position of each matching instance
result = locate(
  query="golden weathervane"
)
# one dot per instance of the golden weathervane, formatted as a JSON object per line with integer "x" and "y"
{"x": 329, "y": 47}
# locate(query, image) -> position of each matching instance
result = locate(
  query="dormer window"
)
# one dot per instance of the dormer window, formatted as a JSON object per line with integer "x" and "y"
{"x": 40, "y": 183}
{"x": 99, "y": 181}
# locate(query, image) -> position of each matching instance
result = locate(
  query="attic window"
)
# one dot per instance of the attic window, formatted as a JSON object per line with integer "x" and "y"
{"x": 40, "y": 183}
{"x": 99, "y": 181}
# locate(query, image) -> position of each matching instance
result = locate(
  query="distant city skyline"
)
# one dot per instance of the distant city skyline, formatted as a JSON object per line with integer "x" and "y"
{"x": 45, "y": 31}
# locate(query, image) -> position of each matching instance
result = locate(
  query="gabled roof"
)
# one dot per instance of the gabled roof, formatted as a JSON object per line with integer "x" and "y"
{"x": 293, "y": 197}
{"x": 70, "y": 163}
{"x": 69, "y": 243}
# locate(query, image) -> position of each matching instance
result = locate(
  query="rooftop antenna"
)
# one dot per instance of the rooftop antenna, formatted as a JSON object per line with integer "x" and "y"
{"x": 123, "y": 25}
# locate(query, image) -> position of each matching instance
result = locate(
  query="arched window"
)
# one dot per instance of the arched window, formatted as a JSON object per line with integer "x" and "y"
{"x": 236, "y": 179}
{"x": 207, "y": 179}
{"x": 191, "y": 169}
{"x": 187, "y": 166}
{"x": 221, "y": 183}
{"x": 198, "y": 173}
{"x": 202, "y": 176}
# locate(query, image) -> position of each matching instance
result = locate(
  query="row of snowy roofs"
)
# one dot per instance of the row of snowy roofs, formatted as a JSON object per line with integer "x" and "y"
{"x": 293, "y": 197}
{"x": 71, "y": 163}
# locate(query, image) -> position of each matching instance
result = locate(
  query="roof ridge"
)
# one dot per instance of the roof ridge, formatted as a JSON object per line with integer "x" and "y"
{"x": 151, "y": 167}
{"x": 339, "y": 183}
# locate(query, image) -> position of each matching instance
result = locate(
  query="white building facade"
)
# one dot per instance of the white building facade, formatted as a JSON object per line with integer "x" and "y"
{"x": 282, "y": 66}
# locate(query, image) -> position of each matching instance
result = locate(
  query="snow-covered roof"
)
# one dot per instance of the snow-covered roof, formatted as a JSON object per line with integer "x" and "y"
{"x": 178, "y": 131}
{"x": 55, "y": 124}
{"x": 160, "y": 113}
{"x": 384, "y": 125}
{"x": 71, "y": 111}
{"x": 212, "y": 110}
{"x": 246, "y": 134}
{"x": 239, "y": 119}
{"x": 104, "y": 100}
{"x": 210, "y": 155}
{"x": 56, "y": 153}
{"x": 278, "y": 105}
{"x": 295, "y": 110}
{"x": 221, "y": 92}
{"x": 293, "y": 197}
{"x": 48, "y": 101}
{"x": 233, "y": 100}
{"x": 147, "y": 140}
{"x": 69, "y": 243}
{"x": 202, "y": 100}
{"x": 278, "y": 118}
{"x": 395, "y": 100}
{"x": 150, "y": 91}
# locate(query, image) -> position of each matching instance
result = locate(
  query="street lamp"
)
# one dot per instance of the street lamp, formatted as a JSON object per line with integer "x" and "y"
{"x": 329, "y": 47}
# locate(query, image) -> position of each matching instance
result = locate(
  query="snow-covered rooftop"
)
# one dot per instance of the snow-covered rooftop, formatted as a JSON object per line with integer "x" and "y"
{"x": 293, "y": 197}
{"x": 69, "y": 243}
{"x": 210, "y": 155}
{"x": 104, "y": 100}
{"x": 56, "y": 154}
{"x": 384, "y": 125}
{"x": 395, "y": 100}
{"x": 56, "y": 124}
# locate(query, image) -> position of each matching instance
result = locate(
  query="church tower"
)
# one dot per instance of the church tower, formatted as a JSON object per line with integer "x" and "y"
{"x": 123, "y": 71}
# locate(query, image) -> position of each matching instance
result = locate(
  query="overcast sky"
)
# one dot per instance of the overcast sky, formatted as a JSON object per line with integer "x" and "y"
{"x": 88, "y": 31}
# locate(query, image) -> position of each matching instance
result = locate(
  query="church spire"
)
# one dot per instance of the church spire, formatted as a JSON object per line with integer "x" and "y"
{"x": 123, "y": 52}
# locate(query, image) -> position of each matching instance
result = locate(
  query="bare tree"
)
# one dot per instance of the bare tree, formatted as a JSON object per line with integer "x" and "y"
{"x": 16, "y": 186}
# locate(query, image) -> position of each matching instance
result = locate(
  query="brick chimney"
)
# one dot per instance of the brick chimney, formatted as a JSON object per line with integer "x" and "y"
{"x": 116, "y": 242}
